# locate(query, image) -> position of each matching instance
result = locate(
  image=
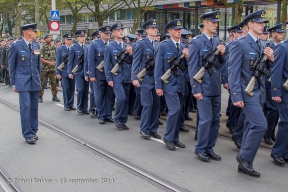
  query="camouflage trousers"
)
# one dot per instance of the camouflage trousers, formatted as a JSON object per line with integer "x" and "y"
{"x": 52, "y": 77}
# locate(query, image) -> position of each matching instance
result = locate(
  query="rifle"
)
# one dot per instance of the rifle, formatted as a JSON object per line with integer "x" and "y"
{"x": 122, "y": 55}
{"x": 210, "y": 61}
{"x": 285, "y": 85}
{"x": 100, "y": 67}
{"x": 61, "y": 66}
{"x": 176, "y": 62}
{"x": 150, "y": 63}
{"x": 259, "y": 68}
{"x": 81, "y": 58}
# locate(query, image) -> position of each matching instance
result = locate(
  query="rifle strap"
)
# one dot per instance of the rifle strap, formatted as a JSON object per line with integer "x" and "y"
{"x": 245, "y": 79}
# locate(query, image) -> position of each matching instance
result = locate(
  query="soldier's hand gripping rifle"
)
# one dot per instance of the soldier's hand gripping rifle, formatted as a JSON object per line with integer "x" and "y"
{"x": 259, "y": 68}
{"x": 176, "y": 62}
{"x": 210, "y": 60}
{"x": 81, "y": 61}
{"x": 150, "y": 63}
{"x": 122, "y": 56}
{"x": 62, "y": 65}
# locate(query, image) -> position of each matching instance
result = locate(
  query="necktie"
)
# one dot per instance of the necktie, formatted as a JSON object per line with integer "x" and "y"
{"x": 120, "y": 44}
{"x": 82, "y": 46}
{"x": 211, "y": 40}
{"x": 257, "y": 42}
{"x": 29, "y": 46}
{"x": 177, "y": 46}
{"x": 68, "y": 49}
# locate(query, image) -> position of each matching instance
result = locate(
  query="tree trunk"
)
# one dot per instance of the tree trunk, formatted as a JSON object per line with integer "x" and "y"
{"x": 18, "y": 19}
{"x": 75, "y": 23}
{"x": 284, "y": 12}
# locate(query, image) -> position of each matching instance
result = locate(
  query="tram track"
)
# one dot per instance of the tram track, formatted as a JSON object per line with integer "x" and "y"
{"x": 6, "y": 184}
{"x": 151, "y": 178}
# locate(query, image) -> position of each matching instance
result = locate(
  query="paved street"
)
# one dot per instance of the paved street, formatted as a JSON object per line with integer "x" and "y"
{"x": 57, "y": 163}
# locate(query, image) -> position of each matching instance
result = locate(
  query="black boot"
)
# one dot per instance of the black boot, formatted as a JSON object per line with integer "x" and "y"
{"x": 55, "y": 98}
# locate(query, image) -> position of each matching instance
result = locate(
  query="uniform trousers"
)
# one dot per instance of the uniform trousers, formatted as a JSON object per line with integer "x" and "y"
{"x": 68, "y": 88}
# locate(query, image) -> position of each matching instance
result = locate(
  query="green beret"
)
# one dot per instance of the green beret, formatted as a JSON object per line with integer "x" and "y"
{"x": 57, "y": 40}
{"x": 46, "y": 35}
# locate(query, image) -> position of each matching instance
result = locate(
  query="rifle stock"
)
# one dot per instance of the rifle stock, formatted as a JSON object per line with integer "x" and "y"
{"x": 166, "y": 76}
{"x": 141, "y": 74}
{"x": 100, "y": 67}
{"x": 250, "y": 86}
{"x": 115, "y": 69}
{"x": 285, "y": 85}
{"x": 61, "y": 66}
{"x": 199, "y": 75}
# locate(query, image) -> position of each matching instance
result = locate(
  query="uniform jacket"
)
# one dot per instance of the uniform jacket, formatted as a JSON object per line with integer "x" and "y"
{"x": 86, "y": 70}
{"x": 75, "y": 52}
{"x": 95, "y": 57}
{"x": 49, "y": 54}
{"x": 24, "y": 69}
{"x": 110, "y": 60}
{"x": 280, "y": 71}
{"x": 142, "y": 52}
{"x": 242, "y": 53}
{"x": 61, "y": 53}
{"x": 166, "y": 51}
{"x": 211, "y": 85}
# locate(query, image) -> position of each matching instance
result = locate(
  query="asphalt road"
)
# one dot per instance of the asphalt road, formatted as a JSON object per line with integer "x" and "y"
{"x": 57, "y": 158}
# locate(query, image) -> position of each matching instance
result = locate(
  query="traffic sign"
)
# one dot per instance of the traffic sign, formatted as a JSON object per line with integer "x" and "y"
{"x": 55, "y": 15}
{"x": 54, "y": 25}
{"x": 54, "y": 32}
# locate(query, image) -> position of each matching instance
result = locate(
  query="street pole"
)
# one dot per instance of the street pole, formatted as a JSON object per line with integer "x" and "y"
{"x": 54, "y": 8}
{"x": 37, "y": 14}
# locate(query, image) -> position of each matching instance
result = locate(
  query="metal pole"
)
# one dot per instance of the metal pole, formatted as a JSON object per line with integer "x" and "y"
{"x": 196, "y": 20}
{"x": 54, "y": 8}
{"x": 37, "y": 13}
{"x": 278, "y": 11}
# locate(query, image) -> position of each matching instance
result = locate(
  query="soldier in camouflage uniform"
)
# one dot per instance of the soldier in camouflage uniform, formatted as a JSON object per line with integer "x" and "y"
{"x": 2, "y": 59}
{"x": 48, "y": 60}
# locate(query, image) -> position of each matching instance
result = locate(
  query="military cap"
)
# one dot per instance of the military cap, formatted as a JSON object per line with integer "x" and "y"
{"x": 117, "y": 26}
{"x": 131, "y": 37}
{"x": 213, "y": 16}
{"x": 15, "y": 38}
{"x": 201, "y": 25}
{"x": 46, "y": 35}
{"x": 277, "y": 28}
{"x": 80, "y": 33}
{"x": 31, "y": 26}
{"x": 175, "y": 24}
{"x": 231, "y": 29}
{"x": 112, "y": 37}
{"x": 105, "y": 29}
{"x": 57, "y": 40}
{"x": 166, "y": 35}
{"x": 194, "y": 34}
{"x": 265, "y": 30}
{"x": 235, "y": 28}
{"x": 257, "y": 16}
{"x": 150, "y": 23}
{"x": 185, "y": 35}
{"x": 74, "y": 40}
{"x": 158, "y": 32}
{"x": 141, "y": 32}
{"x": 68, "y": 36}
{"x": 10, "y": 38}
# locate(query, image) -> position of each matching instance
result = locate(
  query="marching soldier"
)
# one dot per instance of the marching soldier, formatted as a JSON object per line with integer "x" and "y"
{"x": 145, "y": 51}
{"x": 207, "y": 93}
{"x": 279, "y": 92}
{"x": 173, "y": 86}
{"x": 119, "y": 53}
{"x": 76, "y": 71}
{"x": 243, "y": 54}
{"x": 24, "y": 69}
{"x": 48, "y": 60}
{"x": 68, "y": 85}
{"x": 271, "y": 107}
{"x": 103, "y": 93}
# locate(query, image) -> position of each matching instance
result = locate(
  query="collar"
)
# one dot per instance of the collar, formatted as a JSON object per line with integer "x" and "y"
{"x": 175, "y": 41}
{"x": 81, "y": 44}
{"x": 27, "y": 42}
{"x": 208, "y": 37}
{"x": 253, "y": 37}
{"x": 150, "y": 39}
{"x": 104, "y": 41}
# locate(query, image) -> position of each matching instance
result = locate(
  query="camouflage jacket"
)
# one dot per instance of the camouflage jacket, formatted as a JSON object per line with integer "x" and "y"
{"x": 49, "y": 54}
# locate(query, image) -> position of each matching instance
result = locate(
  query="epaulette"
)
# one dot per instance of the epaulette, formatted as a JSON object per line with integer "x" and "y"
{"x": 284, "y": 41}
{"x": 163, "y": 41}
{"x": 239, "y": 38}
{"x": 141, "y": 39}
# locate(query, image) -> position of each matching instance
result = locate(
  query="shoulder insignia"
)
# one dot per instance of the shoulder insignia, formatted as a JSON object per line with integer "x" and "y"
{"x": 164, "y": 41}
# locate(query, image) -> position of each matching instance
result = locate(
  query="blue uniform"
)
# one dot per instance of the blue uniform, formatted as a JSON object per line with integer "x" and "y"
{"x": 68, "y": 85}
{"x": 271, "y": 107}
{"x": 92, "y": 107}
{"x": 82, "y": 86}
{"x": 209, "y": 107}
{"x": 121, "y": 81}
{"x": 103, "y": 93}
{"x": 150, "y": 101}
{"x": 24, "y": 72}
{"x": 278, "y": 77}
{"x": 242, "y": 53}
{"x": 174, "y": 90}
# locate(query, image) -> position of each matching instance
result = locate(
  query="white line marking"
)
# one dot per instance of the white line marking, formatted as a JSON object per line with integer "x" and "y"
{"x": 60, "y": 105}
{"x": 158, "y": 140}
